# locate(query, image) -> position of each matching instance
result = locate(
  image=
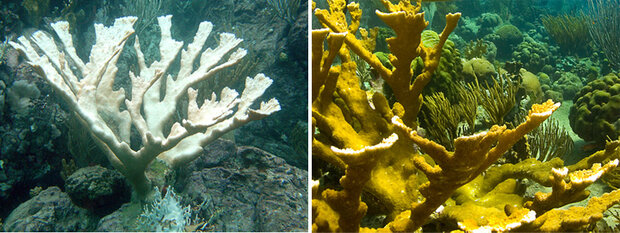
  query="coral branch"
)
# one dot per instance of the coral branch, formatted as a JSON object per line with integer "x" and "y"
{"x": 472, "y": 155}
{"x": 150, "y": 109}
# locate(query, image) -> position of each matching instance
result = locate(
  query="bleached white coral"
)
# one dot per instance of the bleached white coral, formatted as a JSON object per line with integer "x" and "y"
{"x": 153, "y": 101}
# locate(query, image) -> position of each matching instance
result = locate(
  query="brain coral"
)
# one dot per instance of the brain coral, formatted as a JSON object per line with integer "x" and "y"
{"x": 531, "y": 84}
{"x": 505, "y": 38}
{"x": 568, "y": 84}
{"x": 487, "y": 22}
{"x": 479, "y": 68}
{"x": 595, "y": 114}
{"x": 534, "y": 55}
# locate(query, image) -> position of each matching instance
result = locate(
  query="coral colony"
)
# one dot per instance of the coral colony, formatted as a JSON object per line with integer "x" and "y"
{"x": 418, "y": 183}
{"x": 88, "y": 89}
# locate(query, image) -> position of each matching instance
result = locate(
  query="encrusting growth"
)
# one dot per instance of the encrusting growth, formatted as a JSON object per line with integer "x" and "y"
{"x": 89, "y": 93}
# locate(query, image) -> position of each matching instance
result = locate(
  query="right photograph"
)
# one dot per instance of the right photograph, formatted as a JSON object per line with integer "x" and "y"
{"x": 477, "y": 115}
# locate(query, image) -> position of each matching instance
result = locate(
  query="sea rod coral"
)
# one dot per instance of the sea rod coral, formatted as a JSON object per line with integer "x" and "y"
{"x": 372, "y": 141}
{"x": 110, "y": 116}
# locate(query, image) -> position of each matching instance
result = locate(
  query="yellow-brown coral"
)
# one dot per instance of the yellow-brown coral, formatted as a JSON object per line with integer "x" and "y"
{"x": 408, "y": 23}
{"x": 472, "y": 155}
{"x": 574, "y": 191}
{"x": 477, "y": 208}
{"x": 372, "y": 141}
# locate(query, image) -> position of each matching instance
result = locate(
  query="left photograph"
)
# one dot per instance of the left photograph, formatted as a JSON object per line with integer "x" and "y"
{"x": 153, "y": 115}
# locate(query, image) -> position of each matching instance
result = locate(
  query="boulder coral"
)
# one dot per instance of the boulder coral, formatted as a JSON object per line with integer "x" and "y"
{"x": 479, "y": 69}
{"x": 506, "y": 37}
{"x": 596, "y": 110}
{"x": 568, "y": 84}
{"x": 488, "y": 22}
{"x": 534, "y": 54}
{"x": 531, "y": 84}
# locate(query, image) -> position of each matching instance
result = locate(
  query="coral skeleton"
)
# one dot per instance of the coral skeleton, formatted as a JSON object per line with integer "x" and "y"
{"x": 110, "y": 115}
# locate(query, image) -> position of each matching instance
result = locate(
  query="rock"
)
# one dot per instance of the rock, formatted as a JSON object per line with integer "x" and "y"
{"x": 98, "y": 189}
{"x": 297, "y": 37}
{"x": 121, "y": 220}
{"x": 51, "y": 210}
{"x": 255, "y": 190}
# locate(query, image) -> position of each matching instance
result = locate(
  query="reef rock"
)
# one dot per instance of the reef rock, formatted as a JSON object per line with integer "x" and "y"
{"x": 51, "y": 210}
{"x": 98, "y": 189}
{"x": 254, "y": 190}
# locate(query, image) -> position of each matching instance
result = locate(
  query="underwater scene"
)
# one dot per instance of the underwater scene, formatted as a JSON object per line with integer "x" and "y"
{"x": 154, "y": 115}
{"x": 465, "y": 115}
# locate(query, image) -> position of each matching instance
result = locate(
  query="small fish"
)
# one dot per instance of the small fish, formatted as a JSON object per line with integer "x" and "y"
{"x": 593, "y": 146}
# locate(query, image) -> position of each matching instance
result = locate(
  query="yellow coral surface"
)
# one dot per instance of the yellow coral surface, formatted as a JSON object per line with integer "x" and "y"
{"x": 377, "y": 145}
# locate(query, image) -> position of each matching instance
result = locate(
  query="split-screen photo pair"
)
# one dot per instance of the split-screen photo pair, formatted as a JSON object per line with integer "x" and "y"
{"x": 309, "y": 115}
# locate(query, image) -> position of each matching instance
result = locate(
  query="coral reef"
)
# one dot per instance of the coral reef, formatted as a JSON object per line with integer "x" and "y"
{"x": 476, "y": 49}
{"x": 326, "y": 114}
{"x": 498, "y": 98}
{"x": 416, "y": 182}
{"x": 442, "y": 118}
{"x": 467, "y": 29}
{"x": 36, "y": 10}
{"x": 164, "y": 214}
{"x": 548, "y": 141}
{"x": 493, "y": 201}
{"x": 595, "y": 113}
{"x": 448, "y": 71}
{"x": 20, "y": 95}
{"x": 488, "y": 22}
{"x": 9, "y": 21}
{"x": 216, "y": 186}
{"x": 588, "y": 68}
{"x": 33, "y": 140}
